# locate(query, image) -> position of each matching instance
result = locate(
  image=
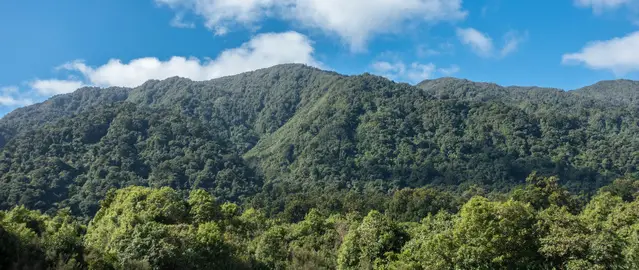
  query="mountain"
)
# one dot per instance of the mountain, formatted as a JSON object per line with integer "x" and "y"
{"x": 621, "y": 92}
{"x": 297, "y": 133}
{"x": 531, "y": 99}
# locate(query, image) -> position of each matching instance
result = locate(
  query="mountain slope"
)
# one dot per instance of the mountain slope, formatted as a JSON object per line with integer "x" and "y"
{"x": 55, "y": 108}
{"x": 534, "y": 100}
{"x": 372, "y": 130}
{"x": 618, "y": 91}
{"x": 291, "y": 129}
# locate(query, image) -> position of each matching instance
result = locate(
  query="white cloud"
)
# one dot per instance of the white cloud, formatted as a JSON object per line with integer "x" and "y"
{"x": 54, "y": 87}
{"x": 442, "y": 48}
{"x": 618, "y": 55}
{"x": 400, "y": 71}
{"x": 262, "y": 51}
{"x": 355, "y": 21}
{"x": 449, "y": 70}
{"x": 224, "y": 13}
{"x": 384, "y": 67}
{"x": 220, "y": 31}
{"x": 414, "y": 73}
{"x": 419, "y": 72}
{"x": 10, "y": 96}
{"x": 178, "y": 22}
{"x": 10, "y": 101}
{"x": 599, "y": 6}
{"x": 481, "y": 43}
{"x": 512, "y": 40}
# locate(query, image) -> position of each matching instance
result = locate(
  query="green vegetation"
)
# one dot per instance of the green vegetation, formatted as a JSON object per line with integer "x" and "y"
{"x": 292, "y": 167}
{"x": 536, "y": 226}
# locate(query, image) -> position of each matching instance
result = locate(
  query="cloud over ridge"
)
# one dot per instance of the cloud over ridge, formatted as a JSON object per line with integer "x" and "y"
{"x": 261, "y": 51}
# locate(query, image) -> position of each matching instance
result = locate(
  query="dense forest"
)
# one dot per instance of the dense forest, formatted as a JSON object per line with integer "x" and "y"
{"x": 292, "y": 167}
{"x": 537, "y": 226}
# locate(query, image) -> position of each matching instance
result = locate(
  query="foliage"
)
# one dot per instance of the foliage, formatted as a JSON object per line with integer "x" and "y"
{"x": 282, "y": 138}
{"x": 146, "y": 228}
{"x": 371, "y": 244}
{"x": 157, "y": 228}
{"x": 30, "y": 240}
{"x": 292, "y": 167}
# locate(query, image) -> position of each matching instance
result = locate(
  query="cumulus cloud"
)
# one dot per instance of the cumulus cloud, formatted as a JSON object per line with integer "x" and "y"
{"x": 55, "y": 87}
{"x": 262, "y": 51}
{"x": 388, "y": 67}
{"x": 618, "y": 55}
{"x": 599, "y": 6}
{"x": 224, "y": 13}
{"x": 482, "y": 44}
{"x": 355, "y": 21}
{"x": 414, "y": 73}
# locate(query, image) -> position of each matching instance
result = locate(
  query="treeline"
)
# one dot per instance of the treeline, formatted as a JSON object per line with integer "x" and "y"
{"x": 537, "y": 226}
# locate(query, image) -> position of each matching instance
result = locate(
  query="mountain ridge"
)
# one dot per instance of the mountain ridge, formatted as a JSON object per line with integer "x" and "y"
{"x": 605, "y": 84}
{"x": 449, "y": 78}
{"x": 272, "y": 134}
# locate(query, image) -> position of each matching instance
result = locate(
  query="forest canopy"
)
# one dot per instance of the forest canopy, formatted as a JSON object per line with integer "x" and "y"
{"x": 292, "y": 167}
{"x": 537, "y": 226}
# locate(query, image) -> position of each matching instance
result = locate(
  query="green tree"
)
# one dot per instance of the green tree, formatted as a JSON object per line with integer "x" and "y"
{"x": 139, "y": 226}
{"x": 203, "y": 207}
{"x": 495, "y": 235}
{"x": 272, "y": 248}
{"x": 371, "y": 244}
{"x": 542, "y": 192}
{"x": 432, "y": 244}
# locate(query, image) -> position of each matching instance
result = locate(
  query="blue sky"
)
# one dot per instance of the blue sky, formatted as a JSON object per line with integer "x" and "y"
{"x": 54, "y": 47}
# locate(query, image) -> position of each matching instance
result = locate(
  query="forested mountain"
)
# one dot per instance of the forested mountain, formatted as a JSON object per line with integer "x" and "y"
{"x": 621, "y": 92}
{"x": 292, "y": 167}
{"x": 290, "y": 131}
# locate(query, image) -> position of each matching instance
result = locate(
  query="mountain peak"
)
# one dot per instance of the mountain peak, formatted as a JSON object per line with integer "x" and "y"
{"x": 620, "y": 91}
{"x": 287, "y": 66}
{"x": 452, "y": 81}
{"x": 607, "y": 84}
